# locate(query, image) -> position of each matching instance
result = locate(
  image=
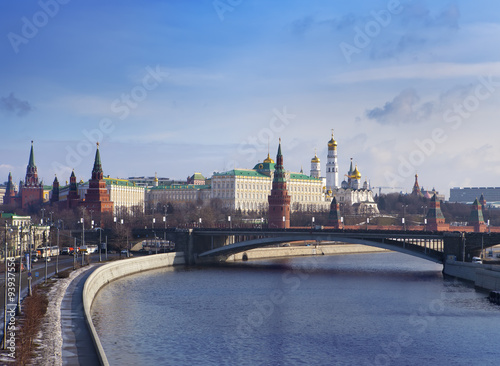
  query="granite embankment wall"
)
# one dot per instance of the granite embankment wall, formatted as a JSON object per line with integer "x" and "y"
{"x": 294, "y": 251}
{"x": 114, "y": 270}
{"x": 485, "y": 276}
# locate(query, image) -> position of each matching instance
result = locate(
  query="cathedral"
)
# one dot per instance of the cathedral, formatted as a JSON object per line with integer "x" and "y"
{"x": 351, "y": 191}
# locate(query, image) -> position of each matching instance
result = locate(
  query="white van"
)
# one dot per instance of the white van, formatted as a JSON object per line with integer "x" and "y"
{"x": 477, "y": 260}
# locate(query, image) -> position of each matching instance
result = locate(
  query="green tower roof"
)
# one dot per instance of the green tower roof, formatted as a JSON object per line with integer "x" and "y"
{"x": 31, "y": 163}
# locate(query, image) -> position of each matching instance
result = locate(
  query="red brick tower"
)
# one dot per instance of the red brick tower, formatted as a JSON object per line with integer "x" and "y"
{"x": 10, "y": 193}
{"x": 334, "y": 216}
{"x": 476, "y": 217}
{"x": 435, "y": 217}
{"x": 279, "y": 200}
{"x": 97, "y": 196}
{"x": 32, "y": 190}
{"x": 55, "y": 191}
{"x": 73, "y": 199}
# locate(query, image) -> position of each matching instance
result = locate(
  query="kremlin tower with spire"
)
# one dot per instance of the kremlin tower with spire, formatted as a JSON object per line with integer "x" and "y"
{"x": 31, "y": 191}
{"x": 279, "y": 200}
{"x": 97, "y": 197}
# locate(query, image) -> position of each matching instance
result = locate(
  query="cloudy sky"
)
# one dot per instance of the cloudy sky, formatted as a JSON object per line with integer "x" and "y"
{"x": 178, "y": 87}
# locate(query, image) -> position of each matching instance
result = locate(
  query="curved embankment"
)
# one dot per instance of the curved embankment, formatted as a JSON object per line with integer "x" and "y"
{"x": 485, "y": 276}
{"x": 295, "y": 251}
{"x": 111, "y": 271}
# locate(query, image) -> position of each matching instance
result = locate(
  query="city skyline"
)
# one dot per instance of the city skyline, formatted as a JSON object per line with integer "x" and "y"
{"x": 180, "y": 87}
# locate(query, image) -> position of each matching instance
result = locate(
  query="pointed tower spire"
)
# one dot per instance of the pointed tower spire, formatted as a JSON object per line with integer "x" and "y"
{"x": 416, "y": 188}
{"x": 10, "y": 192}
{"x": 279, "y": 200}
{"x": 435, "y": 218}
{"x": 476, "y": 217}
{"x": 97, "y": 170}
{"x": 31, "y": 192}
{"x": 31, "y": 170}
{"x": 55, "y": 191}
{"x": 31, "y": 162}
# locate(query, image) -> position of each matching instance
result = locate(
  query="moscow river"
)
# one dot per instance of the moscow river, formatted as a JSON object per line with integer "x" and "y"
{"x": 361, "y": 309}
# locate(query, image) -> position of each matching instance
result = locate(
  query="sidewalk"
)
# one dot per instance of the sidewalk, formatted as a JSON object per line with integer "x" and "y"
{"x": 78, "y": 347}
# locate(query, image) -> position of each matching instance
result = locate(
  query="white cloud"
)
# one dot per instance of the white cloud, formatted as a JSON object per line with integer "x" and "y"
{"x": 429, "y": 71}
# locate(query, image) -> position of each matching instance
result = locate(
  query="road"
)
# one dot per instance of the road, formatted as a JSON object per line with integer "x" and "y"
{"x": 38, "y": 276}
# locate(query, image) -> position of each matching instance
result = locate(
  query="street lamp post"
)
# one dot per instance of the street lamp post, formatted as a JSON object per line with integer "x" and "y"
{"x": 100, "y": 244}
{"x": 5, "y": 287}
{"x": 31, "y": 248}
{"x": 403, "y": 221}
{"x": 74, "y": 255}
{"x": 165, "y": 231}
{"x": 83, "y": 239}
{"x": 19, "y": 278}
{"x": 46, "y": 251}
{"x": 58, "y": 249}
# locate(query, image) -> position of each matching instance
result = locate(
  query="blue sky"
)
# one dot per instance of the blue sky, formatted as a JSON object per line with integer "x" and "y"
{"x": 178, "y": 87}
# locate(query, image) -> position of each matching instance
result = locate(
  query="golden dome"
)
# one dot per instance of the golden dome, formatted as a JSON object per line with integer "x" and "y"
{"x": 315, "y": 159}
{"x": 356, "y": 174}
{"x": 332, "y": 144}
{"x": 268, "y": 159}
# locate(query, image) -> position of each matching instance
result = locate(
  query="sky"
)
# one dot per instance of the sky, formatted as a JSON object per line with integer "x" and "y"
{"x": 177, "y": 87}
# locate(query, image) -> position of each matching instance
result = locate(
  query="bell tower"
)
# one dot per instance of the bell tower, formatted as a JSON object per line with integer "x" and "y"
{"x": 332, "y": 168}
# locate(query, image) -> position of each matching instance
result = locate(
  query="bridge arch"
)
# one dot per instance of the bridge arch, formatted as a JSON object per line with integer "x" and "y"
{"x": 392, "y": 244}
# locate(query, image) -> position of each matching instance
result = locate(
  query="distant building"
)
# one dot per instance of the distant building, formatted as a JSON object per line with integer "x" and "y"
{"x": 150, "y": 181}
{"x": 421, "y": 192}
{"x": 469, "y": 194}
{"x": 23, "y": 231}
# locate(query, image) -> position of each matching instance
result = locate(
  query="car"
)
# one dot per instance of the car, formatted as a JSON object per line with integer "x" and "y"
{"x": 477, "y": 260}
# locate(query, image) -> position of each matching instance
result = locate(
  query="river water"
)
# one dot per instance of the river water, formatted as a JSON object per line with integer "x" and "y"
{"x": 362, "y": 309}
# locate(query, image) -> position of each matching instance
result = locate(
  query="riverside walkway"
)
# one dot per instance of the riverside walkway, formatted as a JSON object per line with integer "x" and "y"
{"x": 78, "y": 346}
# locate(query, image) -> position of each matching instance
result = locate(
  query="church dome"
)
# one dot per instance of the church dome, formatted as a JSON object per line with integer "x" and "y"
{"x": 315, "y": 159}
{"x": 332, "y": 144}
{"x": 268, "y": 160}
{"x": 356, "y": 174}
